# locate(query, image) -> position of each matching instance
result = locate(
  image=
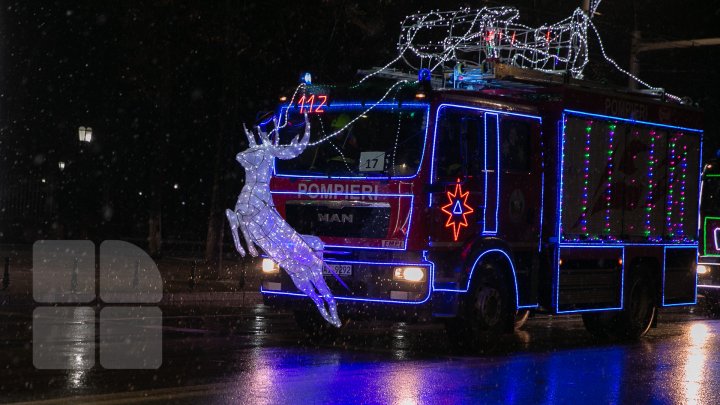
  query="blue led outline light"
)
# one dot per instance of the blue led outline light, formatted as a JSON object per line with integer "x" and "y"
{"x": 410, "y": 220}
{"x": 700, "y": 185}
{"x": 497, "y": 172}
{"x": 557, "y": 279}
{"x": 561, "y": 149}
{"x": 542, "y": 208}
{"x": 486, "y": 231}
{"x": 472, "y": 270}
{"x": 648, "y": 123}
{"x": 485, "y": 172}
{"x": 466, "y": 107}
{"x": 379, "y": 106}
{"x": 561, "y": 152}
{"x": 431, "y": 281}
{"x": 677, "y": 304}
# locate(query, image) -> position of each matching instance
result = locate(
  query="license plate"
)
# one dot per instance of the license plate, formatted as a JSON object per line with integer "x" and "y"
{"x": 341, "y": 270}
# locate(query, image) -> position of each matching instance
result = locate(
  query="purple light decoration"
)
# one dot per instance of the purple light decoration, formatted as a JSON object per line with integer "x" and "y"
{"x": 683, "y": 177}
{"x": 586, "y": 180}
{"x": 669, "y": 230}
{"x": 651, "y": 184}
{"x": 608, "y": 184}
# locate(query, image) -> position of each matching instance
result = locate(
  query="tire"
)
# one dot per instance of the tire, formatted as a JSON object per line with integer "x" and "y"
{"x": 316, "y": 329}
{"x": 640, "y": 309}
{"x": 521, "y": 318}
{"x": 634, "y": 320}
{"x": 487, "y": 312}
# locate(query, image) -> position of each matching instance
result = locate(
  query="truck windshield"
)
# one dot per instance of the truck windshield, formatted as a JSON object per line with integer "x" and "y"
{"x": 384, "y": 142}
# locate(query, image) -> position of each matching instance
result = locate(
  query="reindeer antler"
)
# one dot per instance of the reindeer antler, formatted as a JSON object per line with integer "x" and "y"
{"x": 263, "y": 136}
{"x": 250, "y": 137}
{"x": 295, "y": 147}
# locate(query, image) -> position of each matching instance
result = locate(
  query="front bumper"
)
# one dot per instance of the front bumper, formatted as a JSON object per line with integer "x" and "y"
{"x": 372, "y": 290}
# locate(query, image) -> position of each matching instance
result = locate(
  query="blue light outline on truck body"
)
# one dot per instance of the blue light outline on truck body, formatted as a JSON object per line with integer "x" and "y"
{"x": 561, "y": 148}
{"x": 407, "y": 234}
{"x": 379, "y": 106}
{"x": 557, "y": 278}
{"x": 561, "y": 153}
{"x": 676, "y": 304}
{"x": 472, "y": 270}
{"x": 647, "y": 123}
{"x": 427, "y": 263}
{"x": 497, "y": 172}
{"x": 700, "y": 179}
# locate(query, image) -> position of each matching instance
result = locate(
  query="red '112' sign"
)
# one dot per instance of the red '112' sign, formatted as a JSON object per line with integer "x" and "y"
{"x": 312, "y": 103}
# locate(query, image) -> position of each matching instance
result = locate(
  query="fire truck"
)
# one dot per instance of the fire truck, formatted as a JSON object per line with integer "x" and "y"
{"x": 478, "y": 202}
{"x": 708, "y": 268}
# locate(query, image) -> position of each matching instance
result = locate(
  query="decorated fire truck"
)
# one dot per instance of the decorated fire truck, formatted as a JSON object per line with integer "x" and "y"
{"x": 476, "y": 204}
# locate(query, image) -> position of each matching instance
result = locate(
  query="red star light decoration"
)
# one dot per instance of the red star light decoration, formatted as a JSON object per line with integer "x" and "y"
{"x": 457, "y": 210}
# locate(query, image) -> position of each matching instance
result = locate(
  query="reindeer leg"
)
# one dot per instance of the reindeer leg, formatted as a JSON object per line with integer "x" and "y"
{"x": 319, "y": 283}
{"x": 234, "y": 223}
{"x": 248, "y": 240}
{"x": 306, "y": 286}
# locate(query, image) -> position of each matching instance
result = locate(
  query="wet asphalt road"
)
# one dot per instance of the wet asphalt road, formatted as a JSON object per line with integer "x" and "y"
{"x": 254, "y": 355}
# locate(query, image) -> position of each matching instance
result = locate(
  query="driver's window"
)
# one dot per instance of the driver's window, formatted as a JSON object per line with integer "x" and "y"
{"x": 457, "y": 153}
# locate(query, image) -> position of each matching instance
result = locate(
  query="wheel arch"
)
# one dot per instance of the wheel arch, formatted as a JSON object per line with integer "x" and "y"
{"x": 499, "y": 257}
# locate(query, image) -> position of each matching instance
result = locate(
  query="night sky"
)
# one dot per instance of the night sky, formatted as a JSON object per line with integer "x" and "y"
{"x": 166, "y": 86}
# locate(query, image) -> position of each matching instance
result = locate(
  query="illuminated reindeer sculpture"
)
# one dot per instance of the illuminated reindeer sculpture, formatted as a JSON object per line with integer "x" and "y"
{"x": 260, "y": 223}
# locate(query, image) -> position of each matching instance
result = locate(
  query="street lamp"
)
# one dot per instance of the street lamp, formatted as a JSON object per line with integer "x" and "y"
{"x": 61, "y": 165}
{"x": 85, "y": 134}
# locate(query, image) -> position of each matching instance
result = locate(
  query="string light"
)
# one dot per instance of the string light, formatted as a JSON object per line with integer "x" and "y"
{"x": 649, "y": 203}
{"x": 586, "y": 180}
{"x": 669, "y": 228}
{"x": 683, "y": 176}
{"x": 609, "y": 183}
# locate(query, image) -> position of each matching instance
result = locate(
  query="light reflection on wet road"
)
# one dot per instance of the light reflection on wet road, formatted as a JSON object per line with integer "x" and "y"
{"x": 254, "y": 356}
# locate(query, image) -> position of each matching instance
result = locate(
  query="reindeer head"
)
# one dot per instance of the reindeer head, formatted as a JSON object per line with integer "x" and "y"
{"x": 260, "y": 154}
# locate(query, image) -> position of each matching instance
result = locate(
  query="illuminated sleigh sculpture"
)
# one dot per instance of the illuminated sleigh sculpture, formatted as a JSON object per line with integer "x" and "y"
{"x": 260, "y": 223}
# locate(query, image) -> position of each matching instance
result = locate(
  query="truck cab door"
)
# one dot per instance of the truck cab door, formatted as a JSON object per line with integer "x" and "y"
{"x": 463, "y": 176}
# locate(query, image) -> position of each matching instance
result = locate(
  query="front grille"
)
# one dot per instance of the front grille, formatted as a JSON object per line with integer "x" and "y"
{"x": 348, "y": 219}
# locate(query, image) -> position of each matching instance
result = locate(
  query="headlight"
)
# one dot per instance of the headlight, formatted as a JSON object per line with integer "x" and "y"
{"x": 413, "y": 274}
{"x": 703, "y": 269}
{"x": 269, "y": 266}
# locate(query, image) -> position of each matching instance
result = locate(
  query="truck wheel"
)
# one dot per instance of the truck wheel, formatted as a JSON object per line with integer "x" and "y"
{"x": 634, "y": 320}
{"x": 521, "y": 317}
{"x": 316, "y": 329}
{"x": 639, "y": 313}
{"x": 488, "y": 309}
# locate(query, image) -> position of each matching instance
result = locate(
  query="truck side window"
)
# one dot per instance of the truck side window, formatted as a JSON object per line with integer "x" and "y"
{"x": 456, "y": 150}
{"x": 514, "y": 145}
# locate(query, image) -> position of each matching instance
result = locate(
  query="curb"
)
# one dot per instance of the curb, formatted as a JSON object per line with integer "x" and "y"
{"x": 241, "y": 298}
